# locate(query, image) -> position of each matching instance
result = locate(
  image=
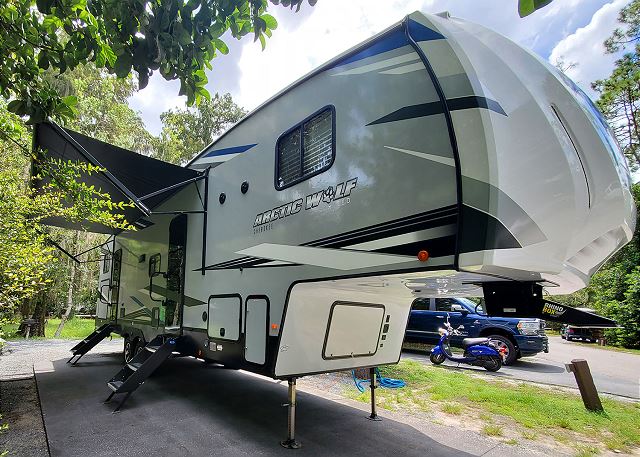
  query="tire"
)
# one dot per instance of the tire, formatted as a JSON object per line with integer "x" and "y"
{"x": 494, "y": 364}
{"x": 436, "y": 359}
{"x": 563, "y": 337}
{"x": 505, "y": 347}
{"x": 128, "y": 352}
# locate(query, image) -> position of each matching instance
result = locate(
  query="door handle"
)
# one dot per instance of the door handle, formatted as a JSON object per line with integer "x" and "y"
{"x": 440, "y": 317}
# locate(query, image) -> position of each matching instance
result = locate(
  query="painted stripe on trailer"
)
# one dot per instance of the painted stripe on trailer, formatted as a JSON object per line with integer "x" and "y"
{"x": 217, "y": 159}
{"x": 337, "y": 259}
{"x": 404, "y": 69}
{"x": 423, "y": 155}
{"x": 231, "y": 150}
{"x": 441, "y": 216}
{"x": 394, "y": 39}
{"x": 404, "y": 58}
{"x": 432, "y": 108}
{"x": 419, "y": 236}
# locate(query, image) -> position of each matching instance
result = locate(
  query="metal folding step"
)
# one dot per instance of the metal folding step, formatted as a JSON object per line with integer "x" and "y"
{"x": 91, "y": 341}
{"x": 136, "y": 372}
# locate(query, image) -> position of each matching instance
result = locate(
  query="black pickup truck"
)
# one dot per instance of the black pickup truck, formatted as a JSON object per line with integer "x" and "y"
{"x": 515, "y": 337}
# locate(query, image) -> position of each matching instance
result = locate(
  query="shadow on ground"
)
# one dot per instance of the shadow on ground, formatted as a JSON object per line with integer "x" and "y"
{"x": 188, "y": 408}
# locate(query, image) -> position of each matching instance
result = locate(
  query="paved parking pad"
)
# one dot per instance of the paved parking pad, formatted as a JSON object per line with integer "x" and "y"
{"x": 189, "y": 408}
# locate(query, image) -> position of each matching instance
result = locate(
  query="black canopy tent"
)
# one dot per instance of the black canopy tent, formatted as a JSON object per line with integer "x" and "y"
{"x": 127, "y": 175}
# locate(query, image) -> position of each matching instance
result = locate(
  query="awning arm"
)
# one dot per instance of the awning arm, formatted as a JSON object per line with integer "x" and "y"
{"x": 63, "y": 250}
{"x": 115, "y": 181}
{"x": 174, "y": 186}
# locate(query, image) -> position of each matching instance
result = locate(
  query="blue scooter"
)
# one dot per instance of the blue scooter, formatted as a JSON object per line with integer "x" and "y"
{"x": 477, "y": 351}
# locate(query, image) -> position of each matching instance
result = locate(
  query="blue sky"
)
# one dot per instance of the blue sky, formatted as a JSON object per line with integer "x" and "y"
{"x": 572, "y": 30}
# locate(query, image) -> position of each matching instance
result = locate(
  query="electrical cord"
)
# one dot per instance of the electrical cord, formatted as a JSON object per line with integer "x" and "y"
{"x": 389, "y": 383}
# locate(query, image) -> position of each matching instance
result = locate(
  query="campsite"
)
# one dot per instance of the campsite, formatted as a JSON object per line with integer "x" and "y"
{"x": 410, "y": 216}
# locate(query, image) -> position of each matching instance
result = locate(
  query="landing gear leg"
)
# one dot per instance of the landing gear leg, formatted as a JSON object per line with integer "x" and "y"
{"x": 373, "y": 386}
{"x": 290, "y": 442}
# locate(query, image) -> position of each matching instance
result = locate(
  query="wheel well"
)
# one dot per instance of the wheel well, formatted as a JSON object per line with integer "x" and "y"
{"x": 501, "y": 332}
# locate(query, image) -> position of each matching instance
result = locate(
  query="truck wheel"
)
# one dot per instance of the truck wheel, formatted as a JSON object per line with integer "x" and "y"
{"x": 505, "y": 347}
{"x": 129, "y": 349}
{"x": 436, "y": 359}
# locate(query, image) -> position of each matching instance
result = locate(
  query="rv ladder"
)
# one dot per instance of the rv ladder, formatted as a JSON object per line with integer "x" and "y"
{"x": 91, "y": 341}
{"x": 136, "y": 372}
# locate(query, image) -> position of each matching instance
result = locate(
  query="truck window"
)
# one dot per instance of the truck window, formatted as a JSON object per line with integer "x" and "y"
{"x": 420, "y": 304}
{"x": 446, "y": 304}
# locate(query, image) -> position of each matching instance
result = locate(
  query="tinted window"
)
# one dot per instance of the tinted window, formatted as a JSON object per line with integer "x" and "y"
{"x": 420, "y": 304}
{"x": 306, "y": 150}
{"x": 445, "y": 304}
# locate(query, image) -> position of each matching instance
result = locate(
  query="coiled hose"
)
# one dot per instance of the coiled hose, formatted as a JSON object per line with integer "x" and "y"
{"x": 389, "y": 383}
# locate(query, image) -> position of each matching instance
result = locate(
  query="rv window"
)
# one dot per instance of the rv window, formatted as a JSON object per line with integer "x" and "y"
{"x": 306, "y": 150}
{"x": 106, "y": 262}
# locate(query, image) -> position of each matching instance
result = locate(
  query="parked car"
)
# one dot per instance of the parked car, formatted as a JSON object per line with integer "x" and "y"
{"x": 569, "y": 333}
{"x": 513, "y": 337}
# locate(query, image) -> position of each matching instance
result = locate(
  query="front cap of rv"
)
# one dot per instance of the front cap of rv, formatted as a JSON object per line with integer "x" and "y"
{"x": 549, "y": 154}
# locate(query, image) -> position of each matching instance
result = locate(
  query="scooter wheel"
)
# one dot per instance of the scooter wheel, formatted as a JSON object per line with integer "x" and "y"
{"x": 436, "y": 359}
{"x": 494, "y": 364}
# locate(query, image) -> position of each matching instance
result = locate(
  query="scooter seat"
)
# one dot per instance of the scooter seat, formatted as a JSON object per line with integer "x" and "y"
{"x": 471, "y": 341}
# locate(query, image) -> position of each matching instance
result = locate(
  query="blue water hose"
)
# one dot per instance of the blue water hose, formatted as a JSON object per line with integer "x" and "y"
{"x": 389, "y": 383}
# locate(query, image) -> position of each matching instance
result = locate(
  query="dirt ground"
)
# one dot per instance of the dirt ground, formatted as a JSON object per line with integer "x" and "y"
{"x": 20, "y": 407}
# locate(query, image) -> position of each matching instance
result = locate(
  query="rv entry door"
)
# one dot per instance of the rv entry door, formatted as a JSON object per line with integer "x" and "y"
{"x": 175, "y": 273}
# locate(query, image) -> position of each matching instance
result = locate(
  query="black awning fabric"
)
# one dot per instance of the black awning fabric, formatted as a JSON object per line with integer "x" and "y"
{"x": 129, "y": 176}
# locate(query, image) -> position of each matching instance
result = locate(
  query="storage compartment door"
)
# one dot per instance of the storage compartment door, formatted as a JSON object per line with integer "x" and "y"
{"x": 256, "y": 330}
{"x": 353, "y": 330}
{"x": 224, "y": 317}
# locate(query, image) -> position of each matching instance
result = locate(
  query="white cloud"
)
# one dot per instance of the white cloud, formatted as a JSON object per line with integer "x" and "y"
{"x": 295, "y": 49}
{"x": 158, "y": 96}
{"x": 584, "y": 47}
{"x": 305, "y": 40}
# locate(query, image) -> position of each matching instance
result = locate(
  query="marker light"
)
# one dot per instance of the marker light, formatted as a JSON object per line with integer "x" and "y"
{"x": 274, "y": 326}
{"x": 423, "y": 256}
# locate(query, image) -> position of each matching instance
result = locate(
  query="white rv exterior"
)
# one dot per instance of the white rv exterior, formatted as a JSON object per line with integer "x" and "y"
{"x": 436, "y": 135}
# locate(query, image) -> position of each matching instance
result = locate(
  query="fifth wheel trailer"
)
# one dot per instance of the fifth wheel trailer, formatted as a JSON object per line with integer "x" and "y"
{"x": 437, "y": 158}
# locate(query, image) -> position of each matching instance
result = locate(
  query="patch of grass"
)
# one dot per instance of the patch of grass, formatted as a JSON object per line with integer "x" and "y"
{"x": 74, "y": 329}
{"x": 540, "y": 411}
{"x": 511, "y": 442}
{"x": 492, "y": 430}
{"x": 452, "y": 408}
{"x": 586, "y": 451}
{"x": 529, "y": 435}
{"x": 608, "y": 348}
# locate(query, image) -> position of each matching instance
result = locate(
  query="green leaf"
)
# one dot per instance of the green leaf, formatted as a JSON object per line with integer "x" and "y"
{"x": 221, "y": 46}
{"x": 181, "y": 35}
{"x": 263, "y": 41}
{"x": 526, "y": 7}
{"x": 43, "y": 62}
{"x": 70, "y": 100}
{"x": 270, "y": 21}
{"x": 123, "y": 64}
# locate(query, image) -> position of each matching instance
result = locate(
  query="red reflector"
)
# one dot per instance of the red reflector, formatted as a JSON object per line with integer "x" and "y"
{"x": 423, "y": 256}
{"x": 274, "y": 326}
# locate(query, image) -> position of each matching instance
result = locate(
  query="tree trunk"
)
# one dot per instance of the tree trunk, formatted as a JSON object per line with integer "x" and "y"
{"x": 40, "y": 314}
{"x": 72, "y": 281}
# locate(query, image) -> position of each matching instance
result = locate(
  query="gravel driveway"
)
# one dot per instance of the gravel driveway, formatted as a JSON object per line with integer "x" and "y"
{"x": 18, "y": 356}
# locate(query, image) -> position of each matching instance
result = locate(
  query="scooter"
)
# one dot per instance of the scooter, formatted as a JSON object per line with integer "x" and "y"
{"x": 477, "y": 351}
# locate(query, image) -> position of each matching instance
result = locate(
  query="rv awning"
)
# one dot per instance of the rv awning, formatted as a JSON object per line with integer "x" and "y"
{"x": 129, "y": 176}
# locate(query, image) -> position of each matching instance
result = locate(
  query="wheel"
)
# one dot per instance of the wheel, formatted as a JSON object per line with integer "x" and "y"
{"x": 129, "y": 348}
{"x": 505, "y": 348}
{"x": 494, "y": 364}
{"x": 563, "y": 337}
{"x": 436, "y": 359}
